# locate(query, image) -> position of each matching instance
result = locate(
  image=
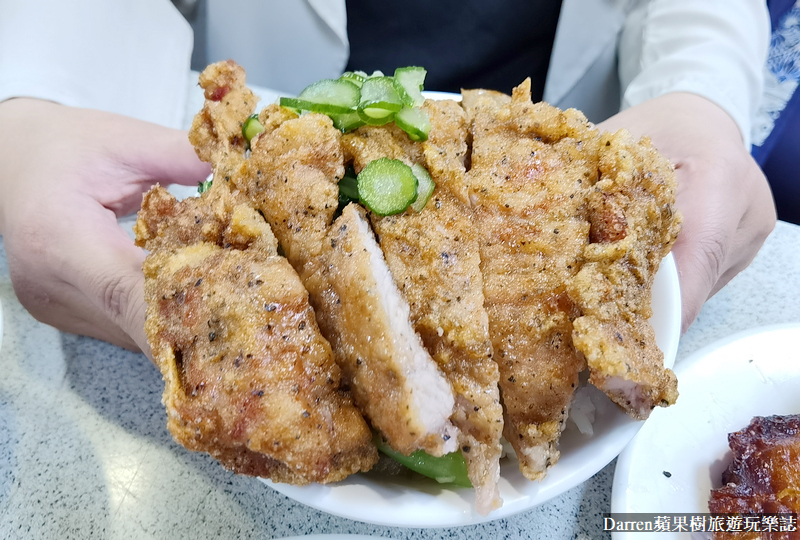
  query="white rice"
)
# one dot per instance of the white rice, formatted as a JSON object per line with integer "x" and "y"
{"x": 581, "y": 413}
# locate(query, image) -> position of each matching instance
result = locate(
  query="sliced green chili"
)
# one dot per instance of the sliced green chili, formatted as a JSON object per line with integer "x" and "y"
{"x": 409, "y": 81}
{"x": 347, "y": 121}
{"x": 448, "y": 469}
{"x": 354, "y": 77}
{"x": 328, "y": 96}
{"x": 379, "y": 101}
{"x": 415, "y": 122}
{"x": 356, "y": 99}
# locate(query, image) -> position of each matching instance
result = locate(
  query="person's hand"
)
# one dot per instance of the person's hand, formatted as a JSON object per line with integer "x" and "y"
{"x": 725, "y": 200}
{"x": 66, "y": 174}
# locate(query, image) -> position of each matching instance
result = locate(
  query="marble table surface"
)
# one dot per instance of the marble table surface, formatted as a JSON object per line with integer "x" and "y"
{"x": 85, "y": 453}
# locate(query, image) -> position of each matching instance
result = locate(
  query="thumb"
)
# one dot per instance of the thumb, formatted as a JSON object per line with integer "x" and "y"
{"x": 104, "y": 265}
{"x": 147, "y": 154}
{"x": 695, "y": 278}
{"x": 168, "y": 157}
{"x": 133, "y": 319}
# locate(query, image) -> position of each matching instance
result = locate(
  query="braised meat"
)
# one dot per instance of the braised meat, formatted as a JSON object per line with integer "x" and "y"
{"x": 764, "y": 476}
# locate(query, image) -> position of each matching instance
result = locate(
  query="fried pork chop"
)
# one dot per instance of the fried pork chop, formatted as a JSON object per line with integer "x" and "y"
{"x": 574, "y": 225}
{"x": 395, "y": 382}
{"x": 633, "y": 224}
{"x": 291, "y": 176}
{"x": 533, "y": 261}
{"x": 249, "y": 378}
{"x": 434, "y": 258}
{"x": 527, "y": 195}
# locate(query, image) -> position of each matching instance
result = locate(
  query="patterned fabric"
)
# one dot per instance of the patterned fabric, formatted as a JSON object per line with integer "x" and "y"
{"x": 782, "y": 76}
{"x": 776, "y": 133}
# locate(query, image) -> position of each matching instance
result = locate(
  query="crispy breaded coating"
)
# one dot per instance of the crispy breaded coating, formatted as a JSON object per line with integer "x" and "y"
{"x": 574, "y": 226}
{"x": 633, "y": 224}
{"x": 216, "y": 131}
{"x": 249, "y": 378}
{"x": 434, "y": 258}
{"x": 446, "y": 152}
{"x": 291, "y": 177}
{"x": 527, "y": 193}
{"x": 368, "y": 143}
{"x": 394, "y": 381}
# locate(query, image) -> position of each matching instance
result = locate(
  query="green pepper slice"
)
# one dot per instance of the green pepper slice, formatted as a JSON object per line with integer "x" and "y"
{"x": 447, "y": 469}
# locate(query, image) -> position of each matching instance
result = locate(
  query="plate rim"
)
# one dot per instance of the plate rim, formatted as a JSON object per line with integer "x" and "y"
{"x": 619, "y": 502}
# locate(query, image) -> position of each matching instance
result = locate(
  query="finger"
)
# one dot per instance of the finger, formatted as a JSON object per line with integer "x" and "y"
{"x": 152, "y": 155}
{"x": 168, "y": 156}
{"x": 115, "y": 283}
{"x": 72, "y": 312}
{"x": 54, "y": 301}
{"x": 756, "y": 225}
{"x": 134, "y": 318}
{"x": 104, "y": 267}
{"x": 696, "y": 277}
{"x": 704, "y": 241}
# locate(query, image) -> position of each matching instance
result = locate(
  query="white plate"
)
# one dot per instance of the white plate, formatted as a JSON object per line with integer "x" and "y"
{"x": 425, "y": 504}
{"x": 722, "y": 387}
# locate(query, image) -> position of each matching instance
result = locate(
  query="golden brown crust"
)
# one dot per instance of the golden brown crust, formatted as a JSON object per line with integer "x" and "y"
{"x": 249, "y": 378}
{"x": 434, "y": 258}
{"x": 369, "y": 337}
{"x": 536, "y": 254}
{"x": 291, "y": 177}
{"x": 525, "y": 184}
{"x": 764, "y": 476}
{"x": 216, "y": 131}
{"x": 574, "y": 225}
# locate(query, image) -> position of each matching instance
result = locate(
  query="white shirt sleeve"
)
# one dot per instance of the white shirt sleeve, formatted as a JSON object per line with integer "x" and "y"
{"x": 713, "y": 48}
{"x": 127, "y": 57}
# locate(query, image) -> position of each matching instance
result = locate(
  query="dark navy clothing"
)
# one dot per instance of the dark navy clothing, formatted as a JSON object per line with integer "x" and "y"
{"x": 779, "y": 154}
{"x": 462, "y": 43}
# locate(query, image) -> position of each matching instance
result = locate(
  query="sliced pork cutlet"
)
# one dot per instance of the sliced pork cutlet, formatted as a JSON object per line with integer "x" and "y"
{"x": 433, "y": 256}
{"x": 291, "y": 177}
{"x": 446, "y": 153}
{"x": 529, "y": 167}
{"x": 394, "y": 380}
{"x": 249, "y": 378}
{"x": 634, "y": 224}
